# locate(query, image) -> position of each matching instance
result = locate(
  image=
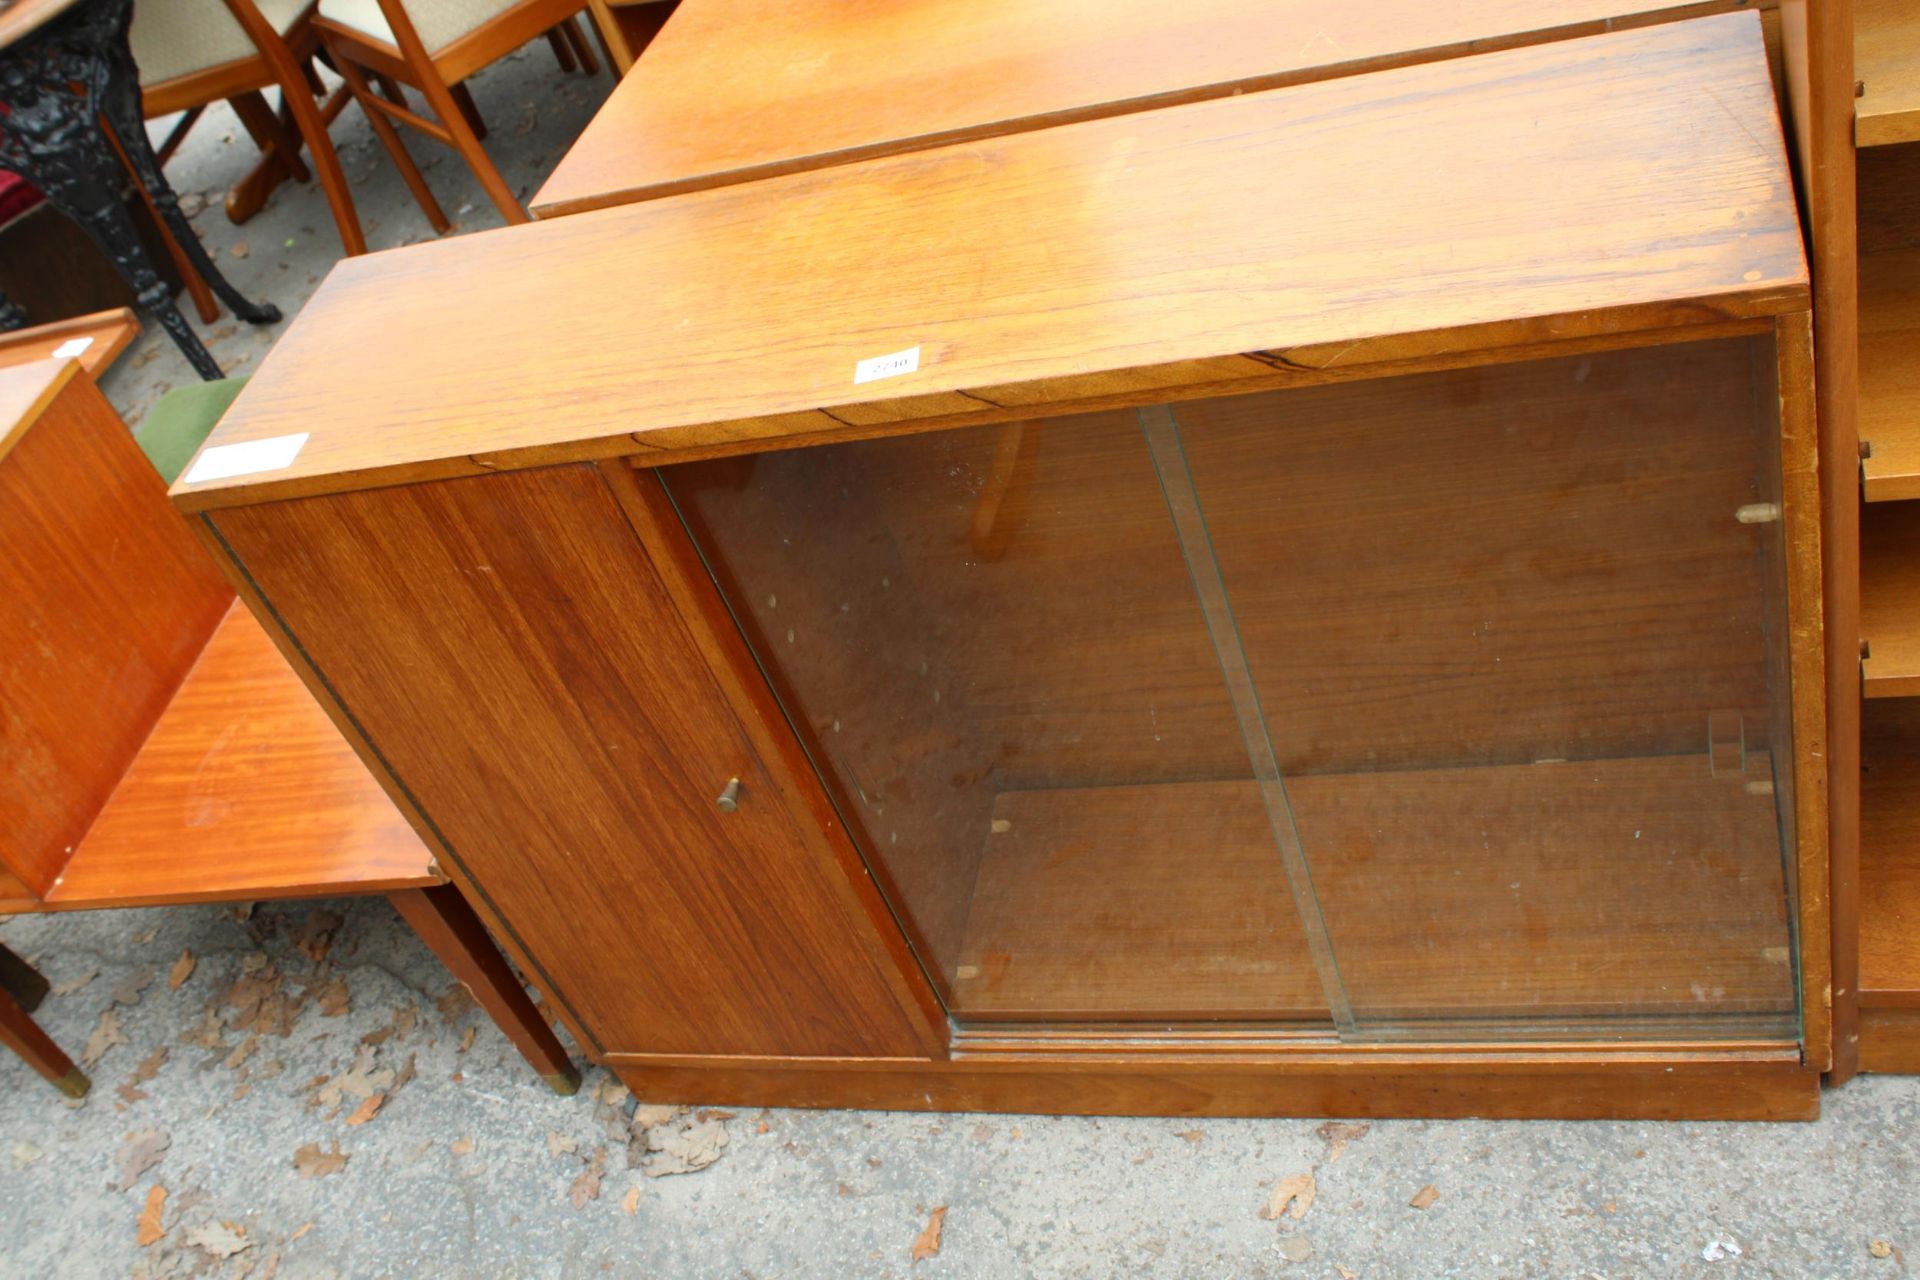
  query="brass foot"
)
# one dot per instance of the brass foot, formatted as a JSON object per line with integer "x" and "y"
{"x": 565, "y": 1083}
{"x": 74, "y": 1084}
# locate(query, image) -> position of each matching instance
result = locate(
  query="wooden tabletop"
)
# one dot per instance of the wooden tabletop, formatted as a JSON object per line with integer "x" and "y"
{"x": 95, "y": 340}
{"x": 23, "y": 17}
{"x": 733, "y": 90}
{"x": 1582, "y": 189}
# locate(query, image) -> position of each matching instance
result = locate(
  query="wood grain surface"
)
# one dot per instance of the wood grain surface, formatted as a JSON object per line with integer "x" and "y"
{"x": 1887, "y": 65}
{"x": 1623, "y": 182}
{"x": 1890, "y": 855}
{"x": 511, "y": 654}
{"x": 739, "y": 90}
{"x": 1890, "y": 373}
{"x": 107, "y": 603}
{"x": 1890, "y": 599}
{"x": 243, "y": 790}
{"x": 108, "y": 333}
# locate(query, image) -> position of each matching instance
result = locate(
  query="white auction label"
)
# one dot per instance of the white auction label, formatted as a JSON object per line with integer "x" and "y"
{"x": 224, "y": 461}
{"x": 72, "y": 347}
{"x": 874, "y": 368}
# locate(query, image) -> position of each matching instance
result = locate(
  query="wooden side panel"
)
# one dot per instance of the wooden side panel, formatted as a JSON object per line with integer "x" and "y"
{"x": 108, "y": 601}
{"x": 513, "y": 657}
{"x": 1817, "y": 40}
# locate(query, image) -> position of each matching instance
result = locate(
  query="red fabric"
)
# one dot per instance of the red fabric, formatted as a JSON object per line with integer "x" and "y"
{"x": 17, "y": 195}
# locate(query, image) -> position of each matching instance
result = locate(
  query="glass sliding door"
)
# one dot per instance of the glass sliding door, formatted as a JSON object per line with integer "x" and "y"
{"x": 1443, "y": 707}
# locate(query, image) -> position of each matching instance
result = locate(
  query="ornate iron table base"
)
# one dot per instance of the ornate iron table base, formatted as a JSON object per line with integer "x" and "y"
{"x": 61, "y": 88}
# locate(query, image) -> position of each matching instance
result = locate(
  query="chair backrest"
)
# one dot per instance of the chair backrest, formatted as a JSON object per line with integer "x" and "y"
{"x": 109, "y": 601}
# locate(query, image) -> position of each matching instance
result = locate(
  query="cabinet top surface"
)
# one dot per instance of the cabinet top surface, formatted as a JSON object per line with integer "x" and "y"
{"x": 733, "y": 90}
{"x": 1626, "y": 182}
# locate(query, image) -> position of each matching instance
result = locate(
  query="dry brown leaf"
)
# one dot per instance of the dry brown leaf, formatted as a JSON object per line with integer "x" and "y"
{"x": 1292, "y": 1195}
{"x": 649, "y": 1115}
{"x": 456, "y": 1004}
{"x": 311, "y": 1162}
{"x": 302, "y": 1231}
{"x": 1881, "y": 1248}
{"x": 559, "y": 1144}
{"x": 631, "y": 1203}
{"x": 335, "y": 999}
{"x": 74, "y": 984}
{"x": 466, "y": 1039}
{"x": 150, "y": 1228}
{"x": 587, "y": 1186}
{"x": 406, "y": 1073}
{"x": 181, "y": 971}
{"x": 685, "y": 1146}
{"x": 150, "y": 1065}
{"x": 138, "y": 1153}
{"x": 1425, "y": 1196}
{"x": 462, "y": 1146}
{"x": 145, "y": 936}
{"x": 367, "y": 1110}
{"x": 1195, "y": 1136}
{"x": 927, "y": 1243}
{"x": 1337, "y": 1134}
{"x": 206, "y": 1032}
{"x": 128, "y": 992}
{"x": 239, "y": 248}
{"x": 221, "y": 1239}
{"x": 25, "y": 1153}
{"x": 244, "y": 1050}
{"x": 1346, "y": 1273}
{"x": 1296, "y": 1248}
{"x": 315, "y": 935}
{"x": 106, "y": 1034}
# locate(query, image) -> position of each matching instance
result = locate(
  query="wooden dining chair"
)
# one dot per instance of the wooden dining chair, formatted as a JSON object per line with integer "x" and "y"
{"x": 433, "y": 46}
{"x": 192, "y": 53}
{"x": 21, "y": 991}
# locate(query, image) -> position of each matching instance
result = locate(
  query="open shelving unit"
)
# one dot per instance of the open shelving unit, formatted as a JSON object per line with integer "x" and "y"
{"x": 1887, "y": 139}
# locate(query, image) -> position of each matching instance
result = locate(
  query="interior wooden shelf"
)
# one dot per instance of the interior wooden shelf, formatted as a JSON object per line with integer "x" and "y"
{"x": 1890, "y": 854}
{"x": 1515, "y": 891}
{"x": 1890, "y": 599}
{"x": 243, "y": 790}
{"x": 1886, "y": 62}
{"x": 1890, "y": 373}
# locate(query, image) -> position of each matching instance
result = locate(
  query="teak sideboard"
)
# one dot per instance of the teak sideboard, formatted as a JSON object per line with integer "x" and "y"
{"x": 1304, "y": 602}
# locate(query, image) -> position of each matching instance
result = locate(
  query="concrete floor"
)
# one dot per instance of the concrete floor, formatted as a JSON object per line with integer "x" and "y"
{"x": 471, "y": 1168}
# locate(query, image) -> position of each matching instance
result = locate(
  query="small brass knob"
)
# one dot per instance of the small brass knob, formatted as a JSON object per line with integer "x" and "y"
{"x": 729, "y": 796}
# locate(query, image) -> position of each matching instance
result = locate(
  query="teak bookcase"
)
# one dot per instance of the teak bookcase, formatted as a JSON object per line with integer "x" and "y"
{"x": 1304, "y": 602}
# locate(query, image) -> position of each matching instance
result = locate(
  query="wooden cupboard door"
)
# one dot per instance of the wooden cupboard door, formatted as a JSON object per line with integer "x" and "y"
{"x": 515, "y": 659}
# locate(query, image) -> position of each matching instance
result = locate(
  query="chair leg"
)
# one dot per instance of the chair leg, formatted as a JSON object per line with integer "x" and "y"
{"x": 22, "y": 980}
{"x": 446, "y": 106}
{"x": 196, "y": 284}
{"x": 269, "y": 132}
{"x": 575, "y": 37}
{"x": 453, "y": 932}
{"x": 21, "y": 1034}
{"x": 470, "y": 109}
{"x": 562, "y": 50}
{"x": 390, "y": 138}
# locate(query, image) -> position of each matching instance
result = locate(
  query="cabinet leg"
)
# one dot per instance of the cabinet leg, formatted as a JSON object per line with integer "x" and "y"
{"x": 453, "y": 932}
{"x": 22, "y": 1035}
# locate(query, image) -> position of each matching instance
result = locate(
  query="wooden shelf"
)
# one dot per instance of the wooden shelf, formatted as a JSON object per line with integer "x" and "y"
{"x": 1512, "y": 892}
{"x": 1890, "y": 854}
{"x": 1886, "y": 61}
{"x": 1890, "y": 599}
{"x": 1890, "y": 373}
{"x": 243, "y": 790}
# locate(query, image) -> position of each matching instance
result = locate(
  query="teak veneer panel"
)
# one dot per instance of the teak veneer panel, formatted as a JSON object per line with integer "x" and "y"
{"x": 513, "y": 657}
{"x": 1890, "y": 855}
{"x": 1630, "y": 181}
{"x": 109, "y": 333}
{"x": 1776, "y": 1090}
{"x": 243, "y": 790}
{"x": 740, "y": 90}
{"x": 1889, "y": 405}
{"x": 1890, "y": 599}
{"x": 108, "y": 601}
{"x": 1886, "y": 44}
{"x": 1131, "y": 902}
